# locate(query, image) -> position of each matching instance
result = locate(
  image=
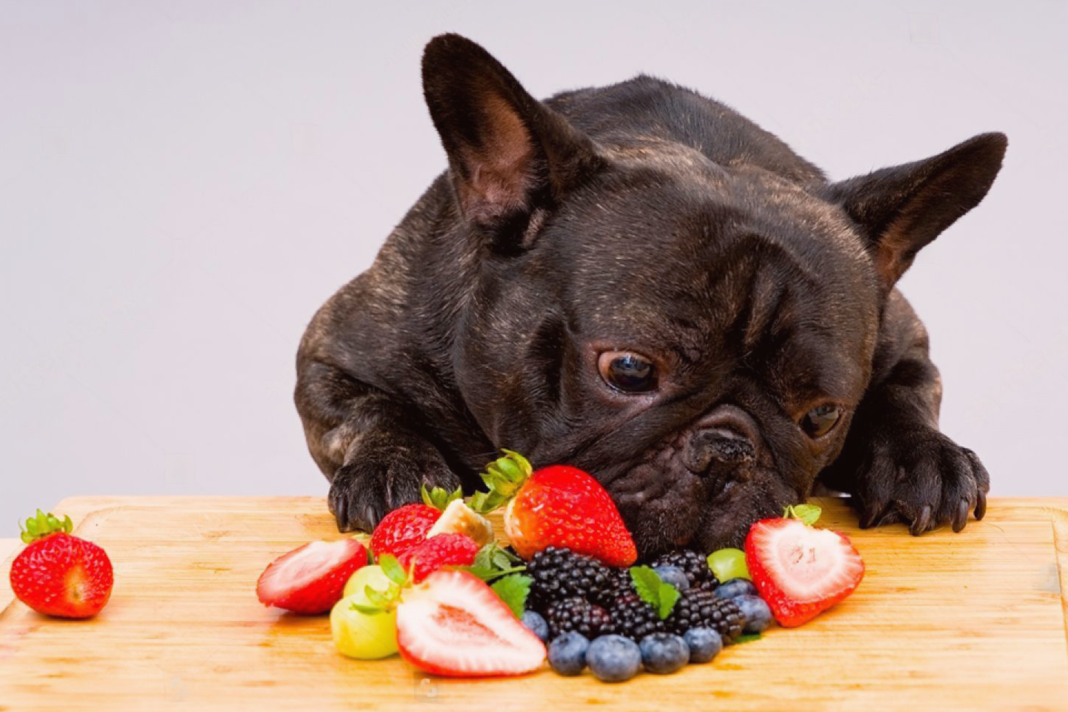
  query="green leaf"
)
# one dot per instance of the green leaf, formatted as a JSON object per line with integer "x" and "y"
{"x": 392, "y": 569}
{"x": 647, "y": 584}
{"x": 748, "y": 638}
{"x": 806, "y": 513}
{"x": 438, "y": 497}
{"x": 376, "y": 598}
{"x": 369, "y": 610}
{"x": 513, "y": 590}
{"x": 492, "y": 562}
{"x": 668, "y": 597}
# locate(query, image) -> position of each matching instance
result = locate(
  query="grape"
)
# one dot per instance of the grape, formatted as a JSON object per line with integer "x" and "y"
{"x": 367, "y": 636}
{"x": 367, "y": 576}
{"x": 726, "y": 564}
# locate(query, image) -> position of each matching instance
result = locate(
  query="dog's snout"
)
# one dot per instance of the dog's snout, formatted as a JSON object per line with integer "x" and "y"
{"x": 726, "y": 435}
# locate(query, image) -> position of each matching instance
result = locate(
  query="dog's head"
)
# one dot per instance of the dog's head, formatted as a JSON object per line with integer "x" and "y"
{"x": 695, "y": 335}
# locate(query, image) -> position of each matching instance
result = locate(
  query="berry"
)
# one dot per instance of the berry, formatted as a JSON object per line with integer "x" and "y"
{"x": 664, "y": 653}
{"x": 311, "y": 578}
{"x": 799, "y": 570}
{"x": 705, "y": 644}
{"x": 673, "y": 575}
{"x": 634, "y": 618}
{"x": 560, "y": 573}
{"x": 442, "y": 550}
{"x": 567, "y": 653}
{"x": 58, "y": 574}
{"x": 536, "y": 625}
{"x": 579, "y": 615}
{"x": 454, "y": 624}
{"x": 402, "y": 529}
{"x": 756, "y": 612}
{"x": 736, "y": 587}
{"x": 556, "y": 506}
{"x": 698, "y": 608}
{"x": 619, "y": 583}
{"x": 727, "y": 564}
{"x": 613, "y": 658}
{"x": 692, "y": 564}
{"x": 365, "y": 636}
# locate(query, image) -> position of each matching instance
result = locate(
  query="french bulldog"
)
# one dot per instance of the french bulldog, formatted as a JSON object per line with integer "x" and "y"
{"x": 638, "y": 281}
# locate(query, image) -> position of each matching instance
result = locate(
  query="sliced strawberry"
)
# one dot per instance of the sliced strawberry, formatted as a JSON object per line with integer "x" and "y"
{"x": 563, "y": 506}
{"x": 311, "y": 579}
{"x": 800, "y": 570}
{"x": 437, "y": 551}
{"x": 453, "y": 624}
{"x": 403, "y": 528}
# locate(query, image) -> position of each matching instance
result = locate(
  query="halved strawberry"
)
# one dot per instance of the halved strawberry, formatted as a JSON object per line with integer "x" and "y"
{"x": 437, "y": 551}
{"x": 799, "y": 570}
{"x": 408, "y": 525}
{"x": 453, "y": 624}
{"x": 310, "y": 579}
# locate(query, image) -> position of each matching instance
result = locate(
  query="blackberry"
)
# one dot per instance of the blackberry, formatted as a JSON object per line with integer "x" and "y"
{"x": 579, "y": 615}
{"x": 692, "y": 564}
{"x": 618, "y": 584}
{"x": 560, "y": 573}
{"x": 634, "y": 618}
{"x": 698, "y": 608}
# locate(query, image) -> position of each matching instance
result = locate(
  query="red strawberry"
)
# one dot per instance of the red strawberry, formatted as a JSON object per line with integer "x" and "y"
{"x": 59, "y": 574}
{"x": 408, "y": 525}
{"x": 311, "y": 579}
{"x": 454, "y": 624}
{"x": 442, "y": 550}
{"x": 558, "y": 506}
{"x": 799, "y": 570}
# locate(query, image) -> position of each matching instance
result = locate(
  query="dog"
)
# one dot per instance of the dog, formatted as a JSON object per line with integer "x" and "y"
{"x": 640, "y": 282}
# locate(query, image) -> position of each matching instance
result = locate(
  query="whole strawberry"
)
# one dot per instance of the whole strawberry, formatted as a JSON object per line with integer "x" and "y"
{"x": 559, "y": 506}
{"x": 407, "y": 526}
{"x": 59, "y": 574}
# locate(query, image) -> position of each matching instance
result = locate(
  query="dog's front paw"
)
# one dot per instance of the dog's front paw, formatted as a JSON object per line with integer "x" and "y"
{"x": 920, "y": 477}
{"x": 384, "y": 474}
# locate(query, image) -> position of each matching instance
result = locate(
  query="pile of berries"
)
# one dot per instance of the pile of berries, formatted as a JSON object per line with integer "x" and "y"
{"x": 618, "y": 620}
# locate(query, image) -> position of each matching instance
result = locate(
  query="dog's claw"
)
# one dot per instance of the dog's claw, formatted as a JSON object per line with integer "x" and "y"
{"x": 961, "y": 516}
{"x": 922, "y": 522}
{"x": 980, "y": 505}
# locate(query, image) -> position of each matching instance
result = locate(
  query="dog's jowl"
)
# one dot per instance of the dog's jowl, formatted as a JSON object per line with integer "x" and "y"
{"x": 638, "y": 281}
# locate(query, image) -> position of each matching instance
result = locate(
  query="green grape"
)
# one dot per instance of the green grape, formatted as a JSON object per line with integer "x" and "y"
{"x": 366, "y": 576}
{"x": 728, "y": 564}
{"x": 366, "y": 636}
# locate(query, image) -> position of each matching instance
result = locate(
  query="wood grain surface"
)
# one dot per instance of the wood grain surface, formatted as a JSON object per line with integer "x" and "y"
{"x": 970, "y": 621}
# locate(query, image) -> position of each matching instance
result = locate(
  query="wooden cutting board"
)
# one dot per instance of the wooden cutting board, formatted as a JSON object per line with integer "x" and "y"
{"x": 970, "y": 621}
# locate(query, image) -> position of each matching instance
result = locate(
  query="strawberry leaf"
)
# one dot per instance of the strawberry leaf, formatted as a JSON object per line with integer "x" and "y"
{"x": 809, "y": 514}
{"x": 513, "y": 590}
{"x": 392, "y": 569}
{"x": 492, "y": 562}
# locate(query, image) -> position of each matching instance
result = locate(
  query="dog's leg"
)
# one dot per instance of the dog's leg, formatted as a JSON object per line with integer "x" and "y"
{"x": 896, "y": 463}
{"x": 368, "y": 445}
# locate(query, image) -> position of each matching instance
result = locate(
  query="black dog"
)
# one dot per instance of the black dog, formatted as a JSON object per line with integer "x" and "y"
{"x": 638, "y": 281}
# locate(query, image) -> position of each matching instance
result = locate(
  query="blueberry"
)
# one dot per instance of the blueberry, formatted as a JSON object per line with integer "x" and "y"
{"x": 567, "y": 653}
{"x": 736, "y": 587}
{"x": 756, "y": 612}
{"x": 673, "y": 575}
{"x": 664, "y": 653}
{"x": 613, "y": 658}
{"x": 536, "y": 625}
{"x": 705, "y": 644}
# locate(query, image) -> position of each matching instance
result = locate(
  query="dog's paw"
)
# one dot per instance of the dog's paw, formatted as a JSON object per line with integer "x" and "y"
{"x": 385, "y": 473}
{"x": 921, "y": 478}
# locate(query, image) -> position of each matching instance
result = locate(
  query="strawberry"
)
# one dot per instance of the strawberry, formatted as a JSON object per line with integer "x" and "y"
{"x": 454, "y": 624}
{"x": 442, "y": 550}
{"x": 408, "y": 525}
{"x": 311, "y": 578}
{"x": 59, "y": 574}
{"x": 799, "y": 570}
{"x": 558, "y": 506}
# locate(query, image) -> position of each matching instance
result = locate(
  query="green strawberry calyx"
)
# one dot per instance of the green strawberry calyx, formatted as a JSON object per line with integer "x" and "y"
{"x": 808, "y": 514}
{"x": 42, "y": 525}
{"x": 503, "y": 477}
{"x": 438, "y": 497}
{"x": 383, "y": 601}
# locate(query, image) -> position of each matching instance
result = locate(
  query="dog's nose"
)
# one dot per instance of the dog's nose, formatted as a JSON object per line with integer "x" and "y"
{"x": 726, "y": 435}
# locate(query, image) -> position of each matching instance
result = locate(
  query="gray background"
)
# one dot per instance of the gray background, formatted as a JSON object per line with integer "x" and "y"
{"x": 182, "y": 184}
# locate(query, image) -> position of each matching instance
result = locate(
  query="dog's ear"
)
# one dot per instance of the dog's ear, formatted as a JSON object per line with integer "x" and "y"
{"x": 904, "y": 208}
{"x": 509, "y": 154}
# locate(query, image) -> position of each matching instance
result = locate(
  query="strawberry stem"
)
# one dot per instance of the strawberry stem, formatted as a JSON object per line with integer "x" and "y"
{"x": 503, "y": 477}
{"x": 42, "y": 525}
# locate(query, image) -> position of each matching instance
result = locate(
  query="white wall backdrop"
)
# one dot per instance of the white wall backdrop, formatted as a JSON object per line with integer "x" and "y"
{"x": 182, "y": 184}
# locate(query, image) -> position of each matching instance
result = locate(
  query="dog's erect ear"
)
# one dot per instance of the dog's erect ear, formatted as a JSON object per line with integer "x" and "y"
{"x": 904, "y": 208}
{"x": 509, "y": 154}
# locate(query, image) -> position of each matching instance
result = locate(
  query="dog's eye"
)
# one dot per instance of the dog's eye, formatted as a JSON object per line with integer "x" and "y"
{"x": 821, "y": 420}
{"x": 626, "y": 371}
